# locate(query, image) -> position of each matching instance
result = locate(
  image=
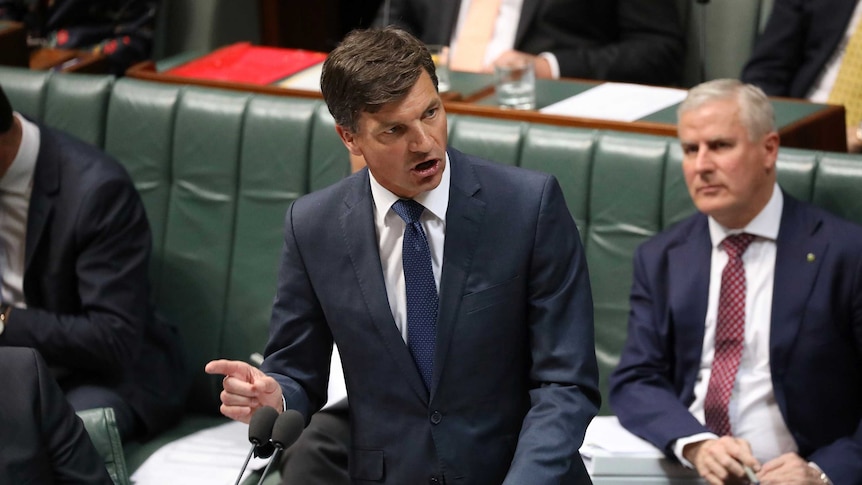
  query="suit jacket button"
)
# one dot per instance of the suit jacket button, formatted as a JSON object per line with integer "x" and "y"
{"x": 434, "y": 481}
{"x": 436, "y": 417}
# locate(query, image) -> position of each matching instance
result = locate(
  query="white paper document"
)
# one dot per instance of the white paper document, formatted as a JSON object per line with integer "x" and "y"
{"x": 212, "y": 456}
{"x": 609, "y": 450}
{"x": 617, "y": 102}
{"x": 306, "y": 80}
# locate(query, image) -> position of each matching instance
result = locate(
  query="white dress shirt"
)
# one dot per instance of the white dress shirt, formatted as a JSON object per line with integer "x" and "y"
{"x": 16, "y": 186}
{"x": 503, "y": 37}
{"x": 753, "y": 411}
{"x": 390, "y": 233}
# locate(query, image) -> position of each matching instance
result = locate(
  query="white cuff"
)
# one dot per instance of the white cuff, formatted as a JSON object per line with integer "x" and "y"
{"x": 552, "y": 62}
{"x": 823, "y": 478}
{"x": 682, "y": 442}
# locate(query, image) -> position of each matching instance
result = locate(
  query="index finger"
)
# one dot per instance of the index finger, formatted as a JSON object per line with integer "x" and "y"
{"x": 233, "y": 368}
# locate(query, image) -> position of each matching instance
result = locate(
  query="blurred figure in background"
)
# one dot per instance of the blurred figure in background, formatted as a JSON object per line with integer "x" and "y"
{"x": 813, "y": 50}
{"x": 122, "y": 30}
{"x": 637, "y": 41}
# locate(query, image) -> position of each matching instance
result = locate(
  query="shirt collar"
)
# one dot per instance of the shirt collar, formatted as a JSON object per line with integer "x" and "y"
{"x": 19, "y": 177}
{"x": 435, "y": 201}
{"x": 764, "y": 225}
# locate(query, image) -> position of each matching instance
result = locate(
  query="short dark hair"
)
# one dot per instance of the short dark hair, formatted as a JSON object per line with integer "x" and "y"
{"x": 370, "y": 68}
{"x": 5, "y": 112}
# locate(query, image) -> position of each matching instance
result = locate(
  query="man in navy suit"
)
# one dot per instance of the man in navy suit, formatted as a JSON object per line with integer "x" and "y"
{"x": 794, "y": 409}
{"x": 43, "y": 440}
{"x": 74, "y": 262}
{"x": 511, "y": 384}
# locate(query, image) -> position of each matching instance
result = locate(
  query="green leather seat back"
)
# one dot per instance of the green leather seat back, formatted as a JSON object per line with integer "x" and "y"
{"x": 25, "y": 89}
{"x": 273, "y": 172}
{"x": 497, "y": 140}
{"x": 140, "y": 135}
{"x": 101, "y": 425}
{"x": 199, "y": 227}
{"x": 75, "y": 103}
{"x": 625, "y": 209}
{"x": 329, "y": 160}
{"x": 567, "y": 153}
{"x": 838, "y": 185}
{"x": 78, "y": 104}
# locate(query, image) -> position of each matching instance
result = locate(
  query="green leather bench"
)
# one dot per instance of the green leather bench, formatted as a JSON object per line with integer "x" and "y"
{"x": 217, "y": 170}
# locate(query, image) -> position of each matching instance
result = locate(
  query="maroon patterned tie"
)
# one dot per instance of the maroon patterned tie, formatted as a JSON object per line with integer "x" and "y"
{"x": 729, "y": 334}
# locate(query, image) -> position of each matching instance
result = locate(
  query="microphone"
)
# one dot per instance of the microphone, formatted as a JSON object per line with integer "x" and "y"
{"x": 260, "y": 429}
{"x": 285, "y": 432}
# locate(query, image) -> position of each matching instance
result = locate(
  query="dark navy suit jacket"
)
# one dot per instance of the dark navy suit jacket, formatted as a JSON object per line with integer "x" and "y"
{"x": 615, "y": 40}
{"x": 800, "y": 36}
{"x": 86, "y": 283}
{"x": 43, "y": 441}
{"x": 515, "y": 376}
{"x": 816, "y": 336}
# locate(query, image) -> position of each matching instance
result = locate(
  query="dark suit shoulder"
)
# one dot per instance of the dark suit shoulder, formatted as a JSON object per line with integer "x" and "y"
{"x": 79, "y": 157}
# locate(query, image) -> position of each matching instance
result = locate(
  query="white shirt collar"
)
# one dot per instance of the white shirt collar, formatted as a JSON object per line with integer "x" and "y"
{"x": 764, "y": 225}
{"x": 18, "y": 179}
{"x": 435, "y": 201}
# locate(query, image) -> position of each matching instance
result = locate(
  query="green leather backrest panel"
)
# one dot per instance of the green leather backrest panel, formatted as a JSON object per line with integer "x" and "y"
{"x": 140, "y": 136}
{"x": 199, "y": 232}
{"x": 625, "y": 209}
{"x": 273, "y": 173}
{"x": 796, "y": 172}
{"x": 75, "y": 103}
{"x": 567, "y": 153}
{"x": 497, "y": 140}
{"x": 838, "y": 185}
{"x": 330, "y": 160}
{"x": 25, "y": 89}
{"x": 78, "y": 104}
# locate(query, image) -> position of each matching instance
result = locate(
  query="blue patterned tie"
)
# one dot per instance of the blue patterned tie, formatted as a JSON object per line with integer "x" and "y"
{"x": 422, "y": 297}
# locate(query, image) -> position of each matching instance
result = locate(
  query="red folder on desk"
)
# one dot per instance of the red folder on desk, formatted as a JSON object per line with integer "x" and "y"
{"x": 245, "y": 63}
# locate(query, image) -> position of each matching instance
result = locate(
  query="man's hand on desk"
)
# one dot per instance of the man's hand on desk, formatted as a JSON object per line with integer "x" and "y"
{"x": 789, "y": 468}
{"x": 722, "y": 461}
{"x": 543, "y": 69}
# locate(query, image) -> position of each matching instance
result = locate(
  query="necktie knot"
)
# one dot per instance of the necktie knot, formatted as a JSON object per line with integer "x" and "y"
{"x": 736, "y": 244}
{"x": 408, "y": 209}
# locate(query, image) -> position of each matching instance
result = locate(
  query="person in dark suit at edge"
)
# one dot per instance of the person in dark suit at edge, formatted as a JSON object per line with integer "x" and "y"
{"x": 802, "y": 51}
{"x": 638, "y": 41}
{"x": 74, "y": 260}
{"x": 44, "y": 441}
{"x": 466, "y": 332}
{"x": 744, "y": 343}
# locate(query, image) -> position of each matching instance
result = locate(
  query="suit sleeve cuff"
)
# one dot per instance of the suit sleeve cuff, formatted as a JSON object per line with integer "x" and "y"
{"x": 681, "y": 443}
{"x": 552, "y": 62}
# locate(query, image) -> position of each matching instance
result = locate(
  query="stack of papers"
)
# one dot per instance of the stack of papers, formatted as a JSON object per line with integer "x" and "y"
{"x": 213, "y": 456}
{"x": 617, "y": 102}
{"x": 614, "y": 455}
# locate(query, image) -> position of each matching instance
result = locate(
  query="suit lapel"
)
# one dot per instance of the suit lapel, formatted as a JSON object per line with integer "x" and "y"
{"x": 528, "y": 11}
{"x": 689, "y": 267}
{"x": 463, "y": 219}
{"x": 795, "y": 275}
{"x": 357, "y": 225}
{"x": 46, "y": 184}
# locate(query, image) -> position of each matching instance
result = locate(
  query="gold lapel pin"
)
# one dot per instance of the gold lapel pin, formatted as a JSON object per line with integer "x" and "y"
{"x": 810, "y": 257}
